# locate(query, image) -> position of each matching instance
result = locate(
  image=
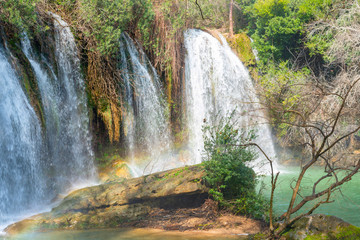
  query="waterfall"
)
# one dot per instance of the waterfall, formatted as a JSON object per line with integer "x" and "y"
{"x": 145, "y": 121}
{"x": 66, "y": 112}
{"x": 37, "y": 165}
{"x": 218, "y": 83}
{"x": 67, "y": 134}
{"x": 22, "y": 179}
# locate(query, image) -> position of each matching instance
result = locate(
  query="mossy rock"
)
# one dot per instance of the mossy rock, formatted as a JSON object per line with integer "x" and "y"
{"x": 110, "y": 204}
{"x": 241, "y": 43}
{"x": 322, "y": 227}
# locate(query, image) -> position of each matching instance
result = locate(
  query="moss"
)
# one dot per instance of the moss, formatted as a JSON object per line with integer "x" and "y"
{"x": 104, "y": 110}
{"x": 241, "y": 43}
{"x": 347, "y": 233}
{"x": 259, "y": 236}
{"x": 111, "y": 166}
{"x": 316, "y": 237}
{"x": 169, "y": 87}
{"x": 174, "y": 174}
{"x": 342, "y": 233}
{"x": 114, "y": 221}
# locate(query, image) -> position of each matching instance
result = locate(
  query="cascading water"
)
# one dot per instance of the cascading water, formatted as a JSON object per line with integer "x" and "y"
{"x": 22, "y": 179}
{"x": 67, "y": 123}
{"x": 145, "y": 122}
{"x": 35, "y": 167}
{"x": 217, "y": 83}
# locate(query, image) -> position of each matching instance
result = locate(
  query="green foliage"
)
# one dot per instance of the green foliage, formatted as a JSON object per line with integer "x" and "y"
{"x": 312, "y": 9}
{"x": 109, "y": 18}
{"x": 318, "y": 44}
{"x": 278, "y": 26}
{"x": 251, "y": 204}
{"x": 226, "y": 171}
{"x": 278, "y": 31}
{"x": 20, "y": 13}
{"x": 280, "y": 35}
{"x": 267, "y": 9}
{"x": 283, "y": 85}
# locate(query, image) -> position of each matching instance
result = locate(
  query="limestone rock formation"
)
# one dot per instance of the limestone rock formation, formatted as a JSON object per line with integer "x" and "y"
{"x": 110, "y": 204}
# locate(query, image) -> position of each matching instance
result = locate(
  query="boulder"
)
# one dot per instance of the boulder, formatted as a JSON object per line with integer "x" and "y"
{"x": 321, "y": 226}
{"x": 110, "y": 204}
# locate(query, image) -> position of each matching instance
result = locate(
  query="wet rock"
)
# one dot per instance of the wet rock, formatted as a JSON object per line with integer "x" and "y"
{"x": 111, "y": 204}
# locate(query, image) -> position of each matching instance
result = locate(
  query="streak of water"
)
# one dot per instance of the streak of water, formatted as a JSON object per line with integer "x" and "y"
{"x": 145, "y": 122}
{"x": 22, "y": 177}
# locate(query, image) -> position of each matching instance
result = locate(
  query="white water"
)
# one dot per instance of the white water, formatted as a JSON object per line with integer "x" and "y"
{"x": 22, "y": 179}
{"x": 255, "y": 51}
{"x": 218, "y": 83}
{"x": 65, "y": 105}
{"x": 36, "y": 166}
{"x": 146, "y": 124}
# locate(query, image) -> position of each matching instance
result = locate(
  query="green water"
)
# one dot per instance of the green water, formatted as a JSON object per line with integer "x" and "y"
{"x": 121, "y": 235}
{"x": 347, "y": 202}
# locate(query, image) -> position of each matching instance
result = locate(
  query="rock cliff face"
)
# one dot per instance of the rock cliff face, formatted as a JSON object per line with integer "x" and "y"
{"x": 111, "y": 204}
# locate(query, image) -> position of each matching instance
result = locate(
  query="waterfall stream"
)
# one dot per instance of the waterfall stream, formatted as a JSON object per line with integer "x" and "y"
{"x": 217, "y": 83}
{"x": 65, "y": 104}
{"x": 37, "y": 165}
{"x": 146, "y": 124}
{"x": 22, "y": 179}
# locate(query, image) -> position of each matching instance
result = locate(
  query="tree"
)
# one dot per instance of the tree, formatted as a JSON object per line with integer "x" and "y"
{"x": 231, "y": 21}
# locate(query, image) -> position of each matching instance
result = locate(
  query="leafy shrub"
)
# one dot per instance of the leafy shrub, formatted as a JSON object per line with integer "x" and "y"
{"x": 232, "y": 182}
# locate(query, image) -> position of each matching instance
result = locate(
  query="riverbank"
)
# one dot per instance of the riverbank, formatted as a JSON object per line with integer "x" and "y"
{"x": 171, "y": 200}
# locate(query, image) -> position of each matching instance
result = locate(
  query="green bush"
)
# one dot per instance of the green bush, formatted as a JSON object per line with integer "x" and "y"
{"x": 232, "y": 183}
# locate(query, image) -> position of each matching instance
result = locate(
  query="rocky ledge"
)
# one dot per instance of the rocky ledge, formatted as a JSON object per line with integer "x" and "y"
{"x": 113, "y": 204}
{"x": 319, "y": 226}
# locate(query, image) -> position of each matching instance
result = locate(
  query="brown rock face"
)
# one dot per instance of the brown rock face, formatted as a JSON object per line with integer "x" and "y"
{"x": 111, "y": 204}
